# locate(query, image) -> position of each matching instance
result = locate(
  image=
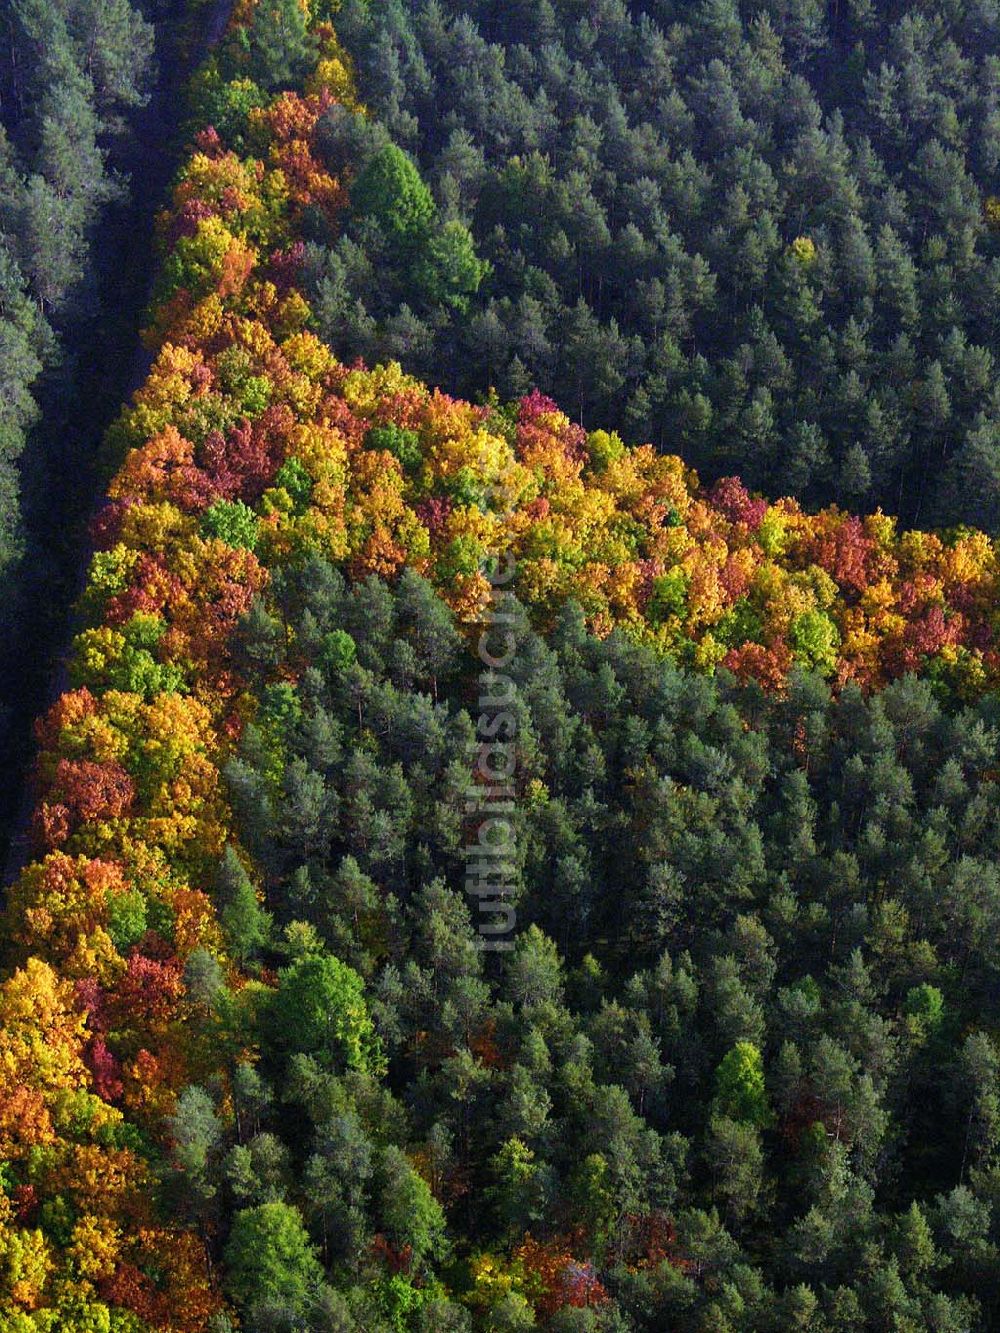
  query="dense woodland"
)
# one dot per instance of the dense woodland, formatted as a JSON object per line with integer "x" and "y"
{"x": 705, "y": 873}
{"x": 740, "y": 1069}
{"x": 762, "y": 235}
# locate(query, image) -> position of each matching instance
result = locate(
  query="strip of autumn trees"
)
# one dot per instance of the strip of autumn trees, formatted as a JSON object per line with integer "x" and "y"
{"x": 249, "y": 451}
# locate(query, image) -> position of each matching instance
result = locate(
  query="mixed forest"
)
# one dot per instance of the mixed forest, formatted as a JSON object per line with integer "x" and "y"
{"x": 685, "y": 315}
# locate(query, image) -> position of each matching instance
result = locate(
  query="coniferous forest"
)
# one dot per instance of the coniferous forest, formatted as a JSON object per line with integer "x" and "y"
{"x": 566, "y": 420}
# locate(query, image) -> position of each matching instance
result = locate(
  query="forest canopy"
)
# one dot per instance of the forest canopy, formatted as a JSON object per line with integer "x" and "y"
{"x": 764, "y": 235}
{"x": 739, "y": 1067}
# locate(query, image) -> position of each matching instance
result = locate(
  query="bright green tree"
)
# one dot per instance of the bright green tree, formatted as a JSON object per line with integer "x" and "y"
{"x": 319, "y": 1009}
{"x": 390, "y": 189}
{"x": 739, "y": 1085}
{"x": 270, "y": 1259}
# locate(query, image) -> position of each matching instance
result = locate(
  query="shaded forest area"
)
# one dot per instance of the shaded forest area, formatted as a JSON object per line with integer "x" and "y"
{"x": 89, "y": 132}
